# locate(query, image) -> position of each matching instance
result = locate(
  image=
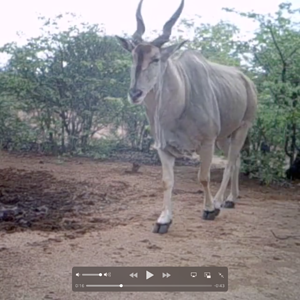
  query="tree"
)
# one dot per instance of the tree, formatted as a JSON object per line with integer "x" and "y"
{"x": 71, "y": 82}
{"x": 275, "y": 65}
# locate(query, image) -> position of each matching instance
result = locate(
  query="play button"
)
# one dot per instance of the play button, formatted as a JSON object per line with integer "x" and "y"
{"x": 148, "y": 275}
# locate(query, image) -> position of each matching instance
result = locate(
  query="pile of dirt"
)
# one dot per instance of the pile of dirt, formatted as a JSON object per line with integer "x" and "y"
{"x": 35, "y": 200}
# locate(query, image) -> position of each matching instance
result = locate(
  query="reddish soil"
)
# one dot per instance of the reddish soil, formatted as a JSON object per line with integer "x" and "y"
{"x": 56, "y": 214}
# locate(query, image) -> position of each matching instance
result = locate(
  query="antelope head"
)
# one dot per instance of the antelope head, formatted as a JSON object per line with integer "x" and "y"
{"x": 148, "y": 58}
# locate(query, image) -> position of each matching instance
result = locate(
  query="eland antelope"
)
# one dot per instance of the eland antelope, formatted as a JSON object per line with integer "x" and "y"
{"x": 192, "y": 105}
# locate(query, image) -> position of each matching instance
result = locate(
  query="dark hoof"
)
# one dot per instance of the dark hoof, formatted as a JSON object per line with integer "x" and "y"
{"x": 217, "y": 212}
{"x": 210, "y": 215}
{"x": 161, "y": 228}
{"x": 228, "y": 204}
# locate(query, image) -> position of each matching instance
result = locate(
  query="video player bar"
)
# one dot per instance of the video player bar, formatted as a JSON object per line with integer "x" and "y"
{"x": 143, "y": 279}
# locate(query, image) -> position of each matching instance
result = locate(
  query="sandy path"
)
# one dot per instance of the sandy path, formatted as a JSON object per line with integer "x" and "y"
{"x": 37, "y": 265}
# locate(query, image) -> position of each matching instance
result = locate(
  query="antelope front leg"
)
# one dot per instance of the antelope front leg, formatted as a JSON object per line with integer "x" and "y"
{"x": 206, "y": 154}
{"x": 165, "y": 219}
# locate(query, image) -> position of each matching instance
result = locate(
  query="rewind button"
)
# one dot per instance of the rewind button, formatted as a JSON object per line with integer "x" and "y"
{"x": 132, "y": 275}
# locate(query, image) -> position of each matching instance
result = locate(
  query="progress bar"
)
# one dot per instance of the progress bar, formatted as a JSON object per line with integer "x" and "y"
{"x": 148, "y": 285}
{"x": 104, "y": 285}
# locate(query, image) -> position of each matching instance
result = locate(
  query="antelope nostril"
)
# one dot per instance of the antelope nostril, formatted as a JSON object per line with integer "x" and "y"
{"x": 138, "y": 93}
{"x": 135, "y": 94}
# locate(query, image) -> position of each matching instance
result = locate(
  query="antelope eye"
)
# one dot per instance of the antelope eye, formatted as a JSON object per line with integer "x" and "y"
{"x": 155, "y": 60}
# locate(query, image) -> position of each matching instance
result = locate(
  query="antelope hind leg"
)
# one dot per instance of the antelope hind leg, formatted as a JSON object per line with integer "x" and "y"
{"x": 234, "y": 192}
{"x": 232, "y": 168}
{"x": 210, "y": 212}
{"x": 165, "y": 219}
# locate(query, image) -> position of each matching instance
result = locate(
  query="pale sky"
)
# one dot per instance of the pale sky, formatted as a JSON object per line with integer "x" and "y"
{"x": 119, "y": 15}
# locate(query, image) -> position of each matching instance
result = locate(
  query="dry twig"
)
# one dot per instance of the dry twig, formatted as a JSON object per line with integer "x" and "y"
{"x": 285, "y": 237}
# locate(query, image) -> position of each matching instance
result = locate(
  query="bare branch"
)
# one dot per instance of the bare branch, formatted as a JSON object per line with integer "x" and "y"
{"x": 286, "y": 147}
{"x": 293, "y": 52}
{"x": 284, "y": 64}
{"x": 268, "y": 69}
{"x": 260, "y": 62}
{"x": 285, "y": 237}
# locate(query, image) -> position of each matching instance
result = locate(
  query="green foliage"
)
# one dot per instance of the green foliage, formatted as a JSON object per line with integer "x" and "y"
{"x": 136, "y": 126}
{"x": 217, "y": 43}
{"x": 15, "y": 134}
{"x": 275, "y": 66}
{"x": 102, "y": 148}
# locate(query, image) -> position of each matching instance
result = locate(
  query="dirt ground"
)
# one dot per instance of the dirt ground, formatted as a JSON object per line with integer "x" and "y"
{"x": 56, "y": 214}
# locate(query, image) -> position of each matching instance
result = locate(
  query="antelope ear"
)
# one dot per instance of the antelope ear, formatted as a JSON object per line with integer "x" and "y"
{"x": 125, "y": 43}
{"x": 168, "y": 51}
